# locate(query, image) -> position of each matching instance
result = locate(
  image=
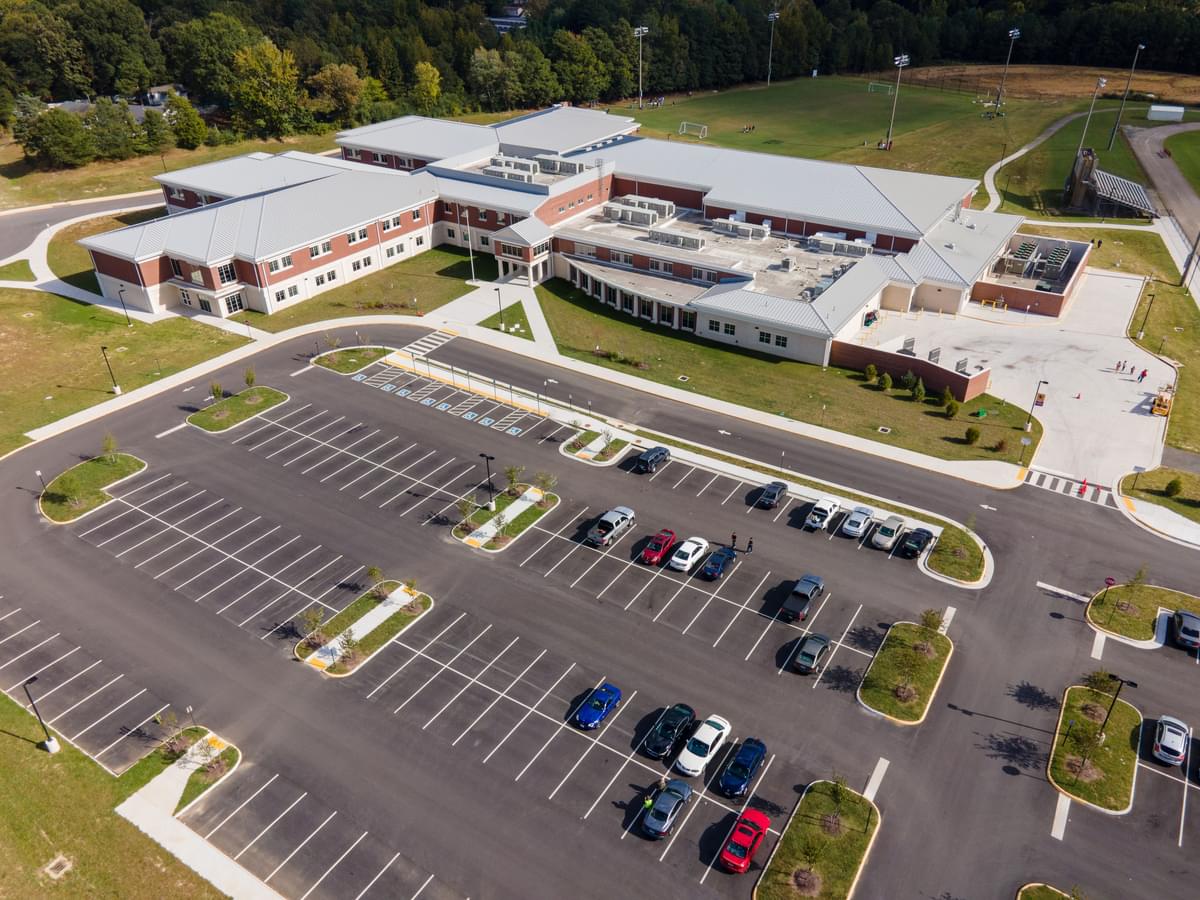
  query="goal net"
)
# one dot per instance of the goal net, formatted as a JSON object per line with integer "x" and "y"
{"x": 695, "y": 128}
{"x": 880, "y": 87}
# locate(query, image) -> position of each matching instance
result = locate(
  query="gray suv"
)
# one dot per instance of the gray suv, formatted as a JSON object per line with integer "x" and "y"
{"x": 611, "y": 526}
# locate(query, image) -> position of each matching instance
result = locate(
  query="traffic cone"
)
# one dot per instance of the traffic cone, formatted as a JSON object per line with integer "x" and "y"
{"x": 1083, "y": 488}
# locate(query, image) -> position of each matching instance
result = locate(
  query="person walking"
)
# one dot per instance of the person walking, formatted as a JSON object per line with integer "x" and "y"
{"x": 733, "y": 541}
{"x": 750, "y": 545}
{"x": 648, "y": 803}
{"x": 1119, "y": 367}
{"x": 1142, "y": 376}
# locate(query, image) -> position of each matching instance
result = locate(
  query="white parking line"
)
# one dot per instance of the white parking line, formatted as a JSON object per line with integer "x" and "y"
{"x": 269, "y": 578}
{"x": 301, "y": 436}
{"x": 441, "y": 489}
{"x": 48, "y": 693}
{"x": 1098, "y": 645}
{"x": 317, "y": 599}
{"x": 354, "y": 457}
{"x": 132, "y": 730}
{"x": 142, "y": 487}
{"x": 125, "y": 512}
{"x": 876, "y": 779}
{"x": 788, "y": 503}
{"x": 660, "y": 471}
{"x": 337, "y": 862}
{"x": 254, "y": 840}
{"x": 742, "y": 608}
{"x": 300, "y": 371}
{"x": 470, "y": 493}
{"x": 220, "y": 824}
{"x": 179, "y": 427}
{"x": 80, "y": 734}
{"x": 529, "y": 711}
{"x": 317, "y": 443}
{"x": 163, "y": 513}
{"x": 707, "y": 486}
{"x": 466, "y": 686}
{"x": 30, "y": 650}
{"x": 336, "y": 449}
{"x": 599, "y": 556}
{"x": 394, "y": 474}
{"x": 224, "y": 556}
{"x": 377, "y": 466}
{"x": 444, "y": 667}
{"x": 85, "y": 699}
{"x": 682, "y": 584}
{"x": 267, "y": 423}
{"x": 143, "y": 522}
{"x": 1187, "y": 759}
{"x": 341, "y": 469}
{"x": 498, "y": 698}
{"x": 624, "y": 762}
{"x": 731, "y": 493}
{"x": 188, "y": 536}
{"x": 415, "y": 481}
{"x": 258, "y": 612}
{"x": 1061, "y": 809}
{"x": 749, "y": 796}
{"x": 48, "y": 665}
{"x": 711, "y": 597}
{"x": 566, "y": 525}
{"x": 552, "y": 434}
{"x": 205, "y": 509}
{"x": 12, "y": 613}
{"x": 403, "y": 666}
{"x": 252, "y": 567}
{"x": 625, "y": 705}
{"x": 371, "y": 883}
{"x": 836, "y": 647}
{"x": 704, "y": 786}
{"x": 561, "y": 725}
{"x": 680, "y": 481}
{"x": 299, "y": 847}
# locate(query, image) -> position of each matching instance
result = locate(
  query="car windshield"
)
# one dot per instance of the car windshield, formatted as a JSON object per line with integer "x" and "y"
{"x": 806, "y": 657}
{"x": 596, "y": 703}
{"x": 658, "y": 814}
{"x": 886, "y": 531}
{"x": 739, "y": 769}
{"x": 697, "y": 747}
{"x": 733, "y": 848}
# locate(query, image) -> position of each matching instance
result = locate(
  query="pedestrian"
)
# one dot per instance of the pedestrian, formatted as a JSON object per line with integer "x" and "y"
{"x": 1119, "y": 367}
{"x": 733, "y": 541}
{"x": 1145, "y": 372}
{"x": 750, "y": 545}
{"x": 662, "y": 782}
{"x": 648, "y": 803}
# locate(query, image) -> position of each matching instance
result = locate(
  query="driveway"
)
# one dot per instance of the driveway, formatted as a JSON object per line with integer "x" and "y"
{"x": 1175, "y": 192}
{"x": 20, "y": 227}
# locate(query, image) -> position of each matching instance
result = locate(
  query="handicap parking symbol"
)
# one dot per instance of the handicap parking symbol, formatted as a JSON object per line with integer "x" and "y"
{"x": 469, "y": 416}
{"x": 428, "y": 401}
{"x": 359, "y": 377}
{"x": 403, "y": 392}
{"x": 387, "y": 388}
{"x": 486, "y": 421}
{"x": 514, "y": 431}
{"x": 443, "y": 406}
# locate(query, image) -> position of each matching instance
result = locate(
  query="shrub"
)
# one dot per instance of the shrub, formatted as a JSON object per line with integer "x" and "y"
{"x": 109, "y": 448}
{"x": 215, "y": 389}
{"x": 931, "y": 619}
{"x": 908, "y": 380}
{"x": 885, "y": 382}
{"x": 947, "y": 396}
{"x": 249, "y": 377}
{"x": 1099, "y": 680}
{"x": 1001, "y": 446}
{"x": 375, "y": 576}
{"x": 952, "y": 408}
{"x": 972, "y": 435}
{"x": 1174, "y": 488}
{"x": 918, "y": 391}
{"x": 870, "y": 373}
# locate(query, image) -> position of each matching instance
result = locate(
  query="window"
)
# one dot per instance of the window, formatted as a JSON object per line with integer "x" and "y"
{"x": 420, "y": 241}
{"x": 714, "y": 325}
{"x": 395, "y": 221}
{"x": 367, "y": 261}
{"x": 314, "y": 251}
{"x": 562, "y": 209}
{"x": 352, "y": 152}
{"x": 186, "y": 298}
{"x": 645, "y": 308}
{"x": 387, "y": 224}
{"x": 176, "y": 193}
{"x": 279, "y": 296}
{"x": 483, "y": 215}
{"x": 484, "y": 241}
{"x": 319, "y": 280}
{"x": 400, "y": 247}
{"x": 510, "y": 250}
{"x": 764, "y": 337}
{"x": 227, "y": 273}
{"x": 376, "y": 157}
{"x": 352, "y": 238}
{"x": 293, "y": 290}
{"x": 571, "y": 205}
{"x": 362, "y": 234}
{"x": 197, "y": 276}
{"x": 730, "y": 328}
{"x": 273, "y": 266}
{"x": 781, "y": 340}
{"x": 446, "y": 209}
{"x": 625, "y": 259}
{"x": 176, "y": 269}
{"x": 331, "y": 274}
{"x": 541, "y": 248}
{"x": 655, "y": 266}
{"x": 585, "y": 250}
{"x": 205, "y": 305}
{"x": 450, "y": 232}
{"x": 416, "y": 215}
{"x": 687, "y": 319}
{"x": 356, "y": 265}
{"x": 390, "y": 252}
{"x": 234, "y": 303}
{"x": 286, "y": 261}
{"x": 589, "y": 196}
{"x": 626, "y": 302}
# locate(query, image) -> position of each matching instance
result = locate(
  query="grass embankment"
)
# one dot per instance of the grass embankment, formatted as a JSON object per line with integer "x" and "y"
{"x": 81, "y": 488}
{"x": 206, "y": 776}
{"x": 1132, "y": 609}
{"x": 514, "y": 319}
{"x": 1152, "y": 487}
{"x": 837, "y": 834}
{"x": 52, "y": 365}
{"x": 72, "y": 263}
{"x": 351, "y": 360}
{"x": 839, "y": 399}
{"x": 63, "y": 804}
{"x": 17, "y": 270}
{"x": 408, "y": 288}
{"x": 1107, "y": 778}
{"x": 906, "y": 670}
{"x": 1185, "y": 152}
{"x": 237, "y": 408}
{"x": 504, "y": 500}
{"x": 955, "y": 554}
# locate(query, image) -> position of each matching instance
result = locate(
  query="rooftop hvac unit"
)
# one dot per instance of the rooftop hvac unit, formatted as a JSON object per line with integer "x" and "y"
{"x": 787, "y": 263}
{"x": 664, "y": 208}
{"x": 734, "y": 228}
{"x": 526, "y": 177}
{"x": 518, "y": 163}
{"x": 676, "y": 239}
{"x": 645, "y": 217}
{"x": 548, "y": 163}
{"x": 612, "y": 211}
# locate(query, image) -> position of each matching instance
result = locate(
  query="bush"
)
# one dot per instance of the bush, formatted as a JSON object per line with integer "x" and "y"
{"x": 952, "y": 408}
{"x": 918, "y": 391}
{"x": 870, "y": 373}
{"x": 1174, "y": 488}
{"x": 1001, "y": 446}
{"x": 885, "y": 382}
{"x": 972, "y": 435}
{"x": 947, "y": 396}
{"x": 249, "y": 377}
{"x": 908, "y": 380}
{"x": 216, "y": 390}
{"x": 57, "y": 139}
{"x": 931, "y": 619}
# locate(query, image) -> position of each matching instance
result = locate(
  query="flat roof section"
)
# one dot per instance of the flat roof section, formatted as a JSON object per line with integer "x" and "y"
{"x": 563, "y": 129}
{"x": 679, "y": 293}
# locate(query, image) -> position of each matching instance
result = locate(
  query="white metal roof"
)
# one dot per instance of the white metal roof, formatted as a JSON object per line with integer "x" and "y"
{"x": 251, "y": 173}
{"x": 528, "y": 232}
{"x": 424, "y": 138}
{"x": 958, "y": 252}
{"x": 561, "y": 129}
{"x": 506, "y": 199}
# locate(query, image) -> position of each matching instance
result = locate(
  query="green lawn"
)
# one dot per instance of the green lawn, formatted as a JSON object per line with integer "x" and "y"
{"x": 433, "y": 279}
{"x": 504, "y": 499}
{"x": 1151, "y": 488}
{"x": 72, "y": 263}
{"x": 80, "y": 489}
{"x": 839, "y": 850}
{"x": 64, "y": 804}
{"x": 388, "y": 629}
{"x": 201, "y": 779}
{"x": 17, "y": 270}
{"x": 348, "y": 361}
{"x": 1108, "y": 781}
{"x": 363, "y": 604}
{"x": 833, "y": 397}
{"x": 1185, "y": 151}
{"x": 224, "y": 414}
{"x": 1040, "y": 892}
{"x": 900, "y": 662}
{"x": 152, "y": 764}
{"x": 514, "y": 319}
{"x": 52, "y": 365}
{"x": 1132, "y": 610}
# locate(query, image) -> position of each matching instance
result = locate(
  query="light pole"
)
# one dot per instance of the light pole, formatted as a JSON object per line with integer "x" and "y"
{"x": 545, "y": 381}
{"x": 1100, "y": 83}
{"x": 900, "y": 61}
{"x": 1125, "y": 96}
{"x": 500, "y": 308}
{"x": 1187, "y": 263}
{"x": 470, "y": 249}
{"x": 487, "y": 461}
{"x": 1146, "y": 317}
{"x": 50, "y": 745}
{"x": 121, "y": 297}
{"x": 1037, "y": 390}
{"x": 640, "y": 32}
{"x": 1121, "y": 682}
{"x": 38, "y": 473}
{"x": 772, "y": 17}
{"x": 1013, "y": 34}
{"x": 116, "y": 387}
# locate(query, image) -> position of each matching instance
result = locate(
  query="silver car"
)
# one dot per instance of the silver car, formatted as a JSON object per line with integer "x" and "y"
{"x": 611, "y": 526}
{"x": 1170, "y": 741}
{"x": 658, "y": 822}
{"x": 859, "y": 520}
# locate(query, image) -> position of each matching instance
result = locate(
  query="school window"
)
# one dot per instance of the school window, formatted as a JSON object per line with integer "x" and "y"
{"x": 362, "y": 234}
{"x": 205, "y": 305}
{"x": 450, "y": 232}
{"x": 645, "y": 308}
{"x": 483, "y": 241}
{"x": 293, "y": 290}
{"x": 234, "y": 303}
{"x": 714, "y": 325}
{"x": 395, "y": 221}
{"x": 730, "y": 328}
{"x": 781, "y": 340}
{"x": 387, "y": 225}
{"x": 687, "y": 319}
{"x": 571, "y": 205}
{"x": 319, "y": 280}
{"x": 655, "y": 265}
{"x": 367, "y": 260}
{"x": 279, "y": 296}
{"x": 227, "y": 273}
{"x": 331, "y": 274}
{"x": 541, "y": 248}
{"x": 176, "y": 193}
{"x": 286, "y": 262}
{"x": 353, "y": 153}
{"x": 389, "y": 252}
{"x": 352, "y": 238}
{"x": 176, "y": 269}
{"x": 356, "y": 265}
{"x": 420, "y": 241}
{"x": 273, "y": 266}
{"x": 416, "y": 215}
{"x": 589, "y": 196}
{"x": 446, "y": 209}
{"x": 400, "y": 247}
{"x": 376, "y": 157}
{"x": 764, "y": 337}
{"x": 186, "y": 298}
{"x": 197, "y": 276}
{"x": 562, "y": 209}
{"x": 314, "y": 251}
{"x": 483, "y": 215}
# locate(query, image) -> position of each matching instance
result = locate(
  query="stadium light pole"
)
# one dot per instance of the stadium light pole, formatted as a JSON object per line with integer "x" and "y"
{"x": 640, "y": 32}
{"x": 901, "y": 61}
{"x": 1100, "y": 83}
{"x": 772, "y": 17}
{"x": 1013, "y": 34}
{"x": 1125, "y": 96}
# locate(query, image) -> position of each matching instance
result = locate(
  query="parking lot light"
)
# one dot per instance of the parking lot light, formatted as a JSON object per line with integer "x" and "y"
{"x": 108, "y": 365}
{"x": 487, "y": 461}
{"x": 1121, "y": 682}
{"x": 50, "y": 744}
{"x": 1037, "y": 390}
{"x": 38, "y": 473}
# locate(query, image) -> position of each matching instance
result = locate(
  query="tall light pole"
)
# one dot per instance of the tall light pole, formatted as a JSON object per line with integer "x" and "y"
{"x": 121, "y": 297}
{"x": 500, "y": 308}
{"x": 487, "y": 461}
{"x": 772, "y": 17}
{"x": 1125, "y": 96}
{"x": 1100, "y": 83}
{"x": 640, "y": 32}
{"x": 50, "y": 745}
{"x": 900, "y": 61}
{"x": 1013, "y": 34}
{"x": 116, "y": 387}
{"x": 1037, "y": 390}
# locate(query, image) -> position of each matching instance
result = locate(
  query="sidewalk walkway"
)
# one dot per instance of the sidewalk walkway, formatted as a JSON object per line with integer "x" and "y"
{"x": 331, "y": 652}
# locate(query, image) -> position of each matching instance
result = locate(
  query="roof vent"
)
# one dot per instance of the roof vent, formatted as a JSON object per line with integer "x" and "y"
{"x": 950, "y": 245}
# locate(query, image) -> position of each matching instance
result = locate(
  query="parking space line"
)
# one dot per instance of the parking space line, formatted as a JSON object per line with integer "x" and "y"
{"x": 552, "y": 434}
{"x": 163, "y": 513}
{"x": 1098, "y": 645}
{"x": 204, "y": 546}
{"x": 804, "y": 632}
{"x": 419, "y": 890}
{"x": 258, "y": 612}
{"x": 299, "y": 847}
{"x": 529, "y": 711}
{"x": 663, "y": 469}
{"x": 76, "y": 737}
{"x": 680, "y": 481}
{"x": 429, "y": 644}
{"x": 85, "y": 699}
{"x": 597, "y": 740}
{"x": 394, "y": 474}
{"x": 119, "y": 534}
{"x": 442, "y": 490}
{"x": 48, "y": 693}
{"x": 607, "y": 551}
{"x": 749, "y": 796}
{"x": 711, "y": 596}
{"x": 48, "y": 665}
{"x": 329, "y": 443}
{"x": 704, "y": 786}
{"x": 224, "y": 555}
{"x": 371, "y": 883}
{"x": 7, "y": 614}
{"x": 337, "y": 862}
{"x": 269, "y": 578}
{"x": 142, "y": 487}
{"x": 470, "y": 493}
{"x": 187, "y": 537}
{"x": 1061, "y": 809}
{"x": 498, "y": 698}
{"x": 251, "y": 567}
{"x": 566, "y": 525}
{"x": 205, "y": 509}
{"x": 466, "y": 686}
{"x": 376, "y": 467}
{"x": 783, "y": 508}
{"x": 318, "y": 443}
{"x": 667, "y": 605}
{"x": 285, "y": 430}
{"x": 659, "y": 571}
{"x": 30, "y": 650}
{"x": 218, "y": 826}
{"x": 305, "y": 436}
{"x": 876, "y": 779}
{"x": 841, "y": 642}
{"x": 444, "y": 667}
{"x": 415, "y": 481}
{"x": 341, "y": 469}
{"x": 132, "y": 730}
{"x": 266, "y": 423}
{"x": 346, "y": 449}
{"x": 771, "y": 621}
{"x": 1187, "y": 759}
{"x": 624, "y": 763}
{"x": 731, "y": 493}
{"x": 269, "y": 827}
{"x": 561, "y": 725}
{"x": 743, "y": 607}
{"x": 310, "y": 601}
{"x": 707, "y": 486}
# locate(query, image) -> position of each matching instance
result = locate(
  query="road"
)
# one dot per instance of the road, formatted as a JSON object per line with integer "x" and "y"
{"x": 19, "y": 227}
{"x": 1174, "y": 191}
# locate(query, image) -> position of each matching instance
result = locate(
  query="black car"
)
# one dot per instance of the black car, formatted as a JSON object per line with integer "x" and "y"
{"x": 915, "y": 542}
{"x": 651, "y": 459}
{"x": 740, "y": 770}
{"x": 805, "y": 591}
{"x": 669, "y": 731}
{"x": 771, "y": 494}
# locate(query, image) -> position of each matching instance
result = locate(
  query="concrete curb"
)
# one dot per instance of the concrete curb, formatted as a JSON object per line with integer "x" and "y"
{"x": 59, "y": 203}
{"x": 517, "y": 536}
{"x": 374, "y": 653}
{"x": 1160, "y": 626}
{"x": 188, "y": 420}
{"x": 989, "y": 566}
{"x": 925, "y": 712}
{"x": 1039, "y": 884}
{"x": 313, "y": 361}
{"x": 1128, "y": 509}
{"x": 104, "y": 490}
{"x": 1062, "y": 711}
{"x": 220, "y": 780}
{"x": 616, "y": 457}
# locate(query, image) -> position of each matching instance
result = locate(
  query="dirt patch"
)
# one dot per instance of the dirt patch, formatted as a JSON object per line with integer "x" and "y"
{"x": 807, "y": 882}
{"x": 1052, "y": 81}
{"x": 253, "y": 400}
{"x": 1093, "y": 711}
{"x": 905, "y": 693}
{"x": 925, "y": 648}
{"x": 831, "y": 824}
{"x": 1088, "y": 774}
{"x": 221, "y": 414}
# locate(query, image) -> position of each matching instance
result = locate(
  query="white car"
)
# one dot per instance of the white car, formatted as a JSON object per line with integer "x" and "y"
{"x": 702, "y": 747}
{"x": 688, "y": 553}
{"x": 858, "y": 521}
{"x": 1170, "y": 741}
{"x": 822, "y": 513}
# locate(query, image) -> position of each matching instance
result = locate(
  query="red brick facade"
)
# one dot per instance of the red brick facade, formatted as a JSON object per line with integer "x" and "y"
{"x": 685, "y": 198}
{"x": 384, "y": 160}
{"x": 590, "y": 195}
{"x": 936, "y": 378}
{"x": 188, "y": 199}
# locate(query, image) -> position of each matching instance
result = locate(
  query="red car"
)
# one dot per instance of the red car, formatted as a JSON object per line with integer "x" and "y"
{"x": 659, "y": 547}
{"x": 744, "y": 841}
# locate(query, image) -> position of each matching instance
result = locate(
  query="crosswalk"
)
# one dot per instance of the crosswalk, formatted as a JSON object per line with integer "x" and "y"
{"x": 1069, "y": 487}
{"x": 427, "y": 344}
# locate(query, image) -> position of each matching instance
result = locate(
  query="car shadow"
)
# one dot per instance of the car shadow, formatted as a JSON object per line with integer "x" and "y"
{"x": 643, "y": 726}
{"x": 772, "y": 600}
{"x": 713, "y": 838}
{"x": 785, "y": 652}
{"x": 576, "y": 704}
{"x": 798, "y": 513}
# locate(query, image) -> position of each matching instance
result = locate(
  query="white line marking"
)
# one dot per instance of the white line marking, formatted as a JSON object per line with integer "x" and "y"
{"x": 454, "y": 498}
{"x": 624, "y": 763}
{"x": 707, "y": 486}
{"x": 464, "y": 688}
{"x": 30, "y": 650}
{"x": 1061, "y": 809}
{"x": 444, "y": 667}
{"x": 163, "y": 434}
{"x": 353, "y": 461}
{"x": 553, "y": 536}
{"x": 7, "y": 614}
{"x": 712, "y": 595}
{"x": 300, "y": 371}
{"x": 317, "y": 599}
{"x": 704, "y": 786}
{"x": 561, "y": 725}
{"x": 44, "y": 696}
{"x": 269, "y": 827}
{"x": 404, "y": 665}
{"x": 881, "y": 768}
{"x": 947, "y": 618}
{"x": 171, "y": 547}
{"x": 749, "y": 796}
{"x": 371, "y": 883}
{"x": 239, "y": 808}
{"x": 498, "y": 698}
{"x": 415, "y": 481}
{"x": 337, "y": 862}
{"x": 42, "y": 669}
{"x": 424, "y": 885}
{"x": 599, "y": 556}
{"x": 252, "y": 567}
{"x": 265, "y": 580}
{"x": 1098, "y": 645}
{"x": 687, "y": 577}
{"x": 783, "y": 507}
{"x": 299, "y": 847}
{"x": 680, "y": 481}
{"x": 258, "y": 612}
{"x": 731, "y": 493}
{"x": 165, "y": 529}
{"x": 190, "y": 535}
{"x": 85, "y": 699}
{"x": 76, "y": 737}
{"x": 395, "y": 474}
{"x": 741, "y": 608}
{"x": 529, "y": 711}
{"x": 375, "y": 467}
{"x": 1187, "y": 759}
{"x": 624, "y": 705}
{"x": 840, "y": 643}
{"x": 132, "y": 730}
{"x": 1062, "y": 592}
{"x": 346, "y": 449}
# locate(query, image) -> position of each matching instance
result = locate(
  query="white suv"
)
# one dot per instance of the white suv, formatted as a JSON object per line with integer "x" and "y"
{"x": 822, "y": 513}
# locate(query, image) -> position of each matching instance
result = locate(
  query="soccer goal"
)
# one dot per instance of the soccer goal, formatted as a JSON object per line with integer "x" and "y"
{"x": 881, "y": 87}
{"x": 700, "y": 131}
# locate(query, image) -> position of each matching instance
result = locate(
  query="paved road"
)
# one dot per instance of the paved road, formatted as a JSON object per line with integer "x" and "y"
{"x": 1174, "y": 191}
{"x": 18, "y": 227}
{"x": 474, "y": 802}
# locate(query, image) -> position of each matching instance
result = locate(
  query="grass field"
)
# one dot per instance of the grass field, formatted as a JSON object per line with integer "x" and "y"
{"x": 52, "y": 364}
{"x": 433, "y": 278}
{"x": 17, "y": 270}
{"x": 1041, "y": 892}
{"x": 72, "y": 263}
{"x": 226, "y": 413}
{"x": 1185, "y": 151}
{"x": 1151, "y": 488}
{"x": 201, "y": 779}
{"x": 514, "y": 320}
{"x": 81, "y": 488}
{"x": 347, "y": 361}
{"x": 64, "y": 804}
{"x": 901, "y": 662}
{"x": 1132, "y": 609}
{"x": 1108, "y": 780}
{"x": 1053, "y": 82}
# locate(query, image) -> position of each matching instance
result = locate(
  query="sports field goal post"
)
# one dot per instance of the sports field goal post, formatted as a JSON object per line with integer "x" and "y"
{"x": 880, "y": 87}
{"x": 700, "y": 131}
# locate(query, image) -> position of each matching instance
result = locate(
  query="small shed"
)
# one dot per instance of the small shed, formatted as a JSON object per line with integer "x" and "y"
{"x": 1161, "y": 113}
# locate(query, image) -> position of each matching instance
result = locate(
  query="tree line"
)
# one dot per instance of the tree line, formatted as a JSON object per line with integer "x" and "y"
{"x": 272, "y": 68}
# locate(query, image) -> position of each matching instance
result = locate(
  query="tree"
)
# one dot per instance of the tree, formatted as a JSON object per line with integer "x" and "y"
{"x": 200, "y": 54}
{"x": 918, "y": 391}
{"x": 249, "y": 377}
{"x": 375, "y": 577}
{"x": 870, "y": 373}
{"x": 336, "y": 91}
{"x": 187, "y": 126}
{"x": 885, "y": 382}
{"x": 465, "y": 507}
{"x": 539, "y": 85}
{"x": 512, "y": 476}
{"x": 42, "y": 52}
{"x": 931, "y": 619}
{"x": 907, "y": 380}
{"x": 156, "y": 133}
{"x": 216, "y": 390}
{"x": 493, "y": 79}
{"x": 122, "y": 56}
{"x": 947, "y": 396}
{"x": 427, "y": 88}
{"x": 545, "y": 481}
{"x": 1174, "y": 487}
{"x": 58, "y": 140}
{"x": 67, "y": 487}
{"x": 1098, "y": 680}
{"x": 349, "y": 649}
{"x": 113, "y": 129}
{"x": 972, "y": 436}
{"x": 312, "y": 621}
{"x": 265, "y": 92}
{"x": 109, "y": 447}
{"x": 951, "y": 408}
{"x": 579, "y": 72}
{"x": 26, "y": 109}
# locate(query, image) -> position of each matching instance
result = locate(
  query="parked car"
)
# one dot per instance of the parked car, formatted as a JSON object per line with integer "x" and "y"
{"x": 771, "y": 495}
{"x": 702, "y": 746}
{"x": 742, "y": 767}
{"x": 611, "y": 526}
{"x": 858, "y": 521}
{"x": 598, "y": 705}
{"x": 687, "y": 554}
{"x": 718, "y": 561}
{"x": 811, "y": 652}
{"x": 651, "y": 459}
{"x": 1170, "y": 741}
{"x": 822, "y": 513}
{"x": 744, "y": 841}
{"x": 658, "y": 548}
{"x": 1187, "y": 629}
{"x": 661, "y": 818}
{"x": 915, "y": 542}
{"x": 669, "y": 731}
{"x": 884, "y": 537}
{"x": 804, "y": 592}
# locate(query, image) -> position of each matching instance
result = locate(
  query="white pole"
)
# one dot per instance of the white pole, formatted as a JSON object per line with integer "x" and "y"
{"x": 772, "y": 17}
{"x": 1013, "y": 34}
{"x": 1129, "y": 81}
{"x": 1100, "y": 82}
{"x": 640, "y": 32}
{"x": 901, "y": 61}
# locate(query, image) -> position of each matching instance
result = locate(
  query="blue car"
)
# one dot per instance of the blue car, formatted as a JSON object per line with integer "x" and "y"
{"x": 596, "y": 708}
{"x": 718, "y": 561}
{"x": 742, "y": 767}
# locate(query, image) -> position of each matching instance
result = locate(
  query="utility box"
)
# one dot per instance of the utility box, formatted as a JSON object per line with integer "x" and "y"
{"x": 1160, "y": 113}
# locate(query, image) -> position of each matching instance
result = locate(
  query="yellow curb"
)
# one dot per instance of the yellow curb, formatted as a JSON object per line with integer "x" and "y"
{"x": 1021, "y": 473}
{"x": 1129, "y": 504}
{"x": 515, "y": 538}
{"x": 1062, "y": 711}
{"x": 932, "y": 693}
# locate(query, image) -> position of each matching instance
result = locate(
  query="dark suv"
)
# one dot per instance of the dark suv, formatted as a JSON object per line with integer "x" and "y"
{"x": 671, "y": 729}
{"x": 651, "y": 459}
{"x": 796, "y": 606}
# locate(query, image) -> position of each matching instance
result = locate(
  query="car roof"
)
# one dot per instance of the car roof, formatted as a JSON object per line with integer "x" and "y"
{"x": 608, "y": 688}
{"x": 623, "y": 510}
{"x": 893, "y": 520}
{"x": 865, "y": 510}
{"x": 812, "y": 579}
{"x": 1188, "y": 616}
{"x": 752, "y": 744}
{"x": 815, "y": 639}
{"x": 695, "y": 540}
{"x": 1173, "y": 723}
{"x": 681, "y": 706}
{"x": 781, "y": 485}
{"x": 758, "y": 817}
{"x": 662, "y": 531}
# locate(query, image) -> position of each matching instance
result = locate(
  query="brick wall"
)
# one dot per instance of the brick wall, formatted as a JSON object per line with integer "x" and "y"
{"x": 600, "y": 191}
{"x": 936, "y": 378}
{"x": 682, "y": 197}
{"x": 1048, "y": 304}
